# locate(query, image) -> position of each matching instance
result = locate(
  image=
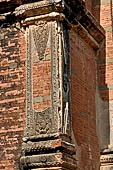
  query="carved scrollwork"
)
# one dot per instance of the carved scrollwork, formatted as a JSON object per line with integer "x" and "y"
{"x": 22, "y": 9}
{"x": 40, "y": 35}
{"x": 66, "y": 83}
{"x": 43, "y": 121}
{"x": 108, "y": 158}
{"x": 65, "y": 87}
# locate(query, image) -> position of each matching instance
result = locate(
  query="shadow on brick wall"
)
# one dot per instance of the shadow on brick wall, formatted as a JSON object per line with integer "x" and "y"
{"x": 102, "y": 100}
{"x": 96, "y": 9}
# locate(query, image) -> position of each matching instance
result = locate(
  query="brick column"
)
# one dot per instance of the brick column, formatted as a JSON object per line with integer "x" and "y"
{"x": 47, "y": 139}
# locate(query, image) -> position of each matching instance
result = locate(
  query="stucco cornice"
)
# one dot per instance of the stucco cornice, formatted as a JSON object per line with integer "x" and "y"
{"x": 74, "y": 12}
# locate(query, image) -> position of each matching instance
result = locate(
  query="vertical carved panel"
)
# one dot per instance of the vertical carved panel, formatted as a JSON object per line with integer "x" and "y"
{"x": 29, "y": 110}
{"x": 48, "y": 43}
{"x": 66, "y": 83}
{"x": 55, "y": 82}
{"x": 43, "y": 46}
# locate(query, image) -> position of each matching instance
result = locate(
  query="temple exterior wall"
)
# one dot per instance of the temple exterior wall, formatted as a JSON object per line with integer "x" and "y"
{"x": 55, "y": 84}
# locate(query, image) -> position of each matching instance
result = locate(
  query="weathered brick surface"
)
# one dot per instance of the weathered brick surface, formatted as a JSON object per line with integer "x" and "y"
{"x": 12, "y": 96}
{"x": 107, "y": 92}
{"x": 41, "y": 84}
{"x": 83, "y": 80}
{"x": 106, "y": 63}
{"x": 89, "y": 5}
{"x": 96, "y": 9}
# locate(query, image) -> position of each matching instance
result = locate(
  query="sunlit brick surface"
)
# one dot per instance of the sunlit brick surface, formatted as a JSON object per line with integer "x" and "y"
{"x": 12, "y": 96}
{"x": 83, "y": 80}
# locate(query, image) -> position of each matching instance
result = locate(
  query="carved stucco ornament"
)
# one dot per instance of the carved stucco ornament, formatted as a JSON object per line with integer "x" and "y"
{"x": 39, "y": 8}
{"x": 40, "y": 35}
{"x": 107, "y": 158}
{"x": 43, "y": 121}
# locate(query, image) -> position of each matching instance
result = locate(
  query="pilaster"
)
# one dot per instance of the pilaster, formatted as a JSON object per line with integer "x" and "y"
{"x": 47, "y": 139}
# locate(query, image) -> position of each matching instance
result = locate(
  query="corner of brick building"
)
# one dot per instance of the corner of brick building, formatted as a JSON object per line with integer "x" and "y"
{"x": 83, "y": 80}
{"x": 90, "y": 94}
{"x": 103, "y": 109}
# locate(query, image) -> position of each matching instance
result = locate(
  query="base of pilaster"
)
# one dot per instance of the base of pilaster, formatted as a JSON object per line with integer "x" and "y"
{"x": 106, "y": 167}
{"x": 106, "y": 160}
{"x": 56, "y": 168}
{"x": 52, "y": 153}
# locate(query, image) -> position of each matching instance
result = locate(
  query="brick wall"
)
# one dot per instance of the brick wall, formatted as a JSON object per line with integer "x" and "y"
{"x": 89, "y": 5}
{"x": 41, "y": 84}
{"x": 83, "y": 81}
{"x": 12, "y": 96}
{"x": 106, "y": 22}
{"x": 96, "y": 9}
